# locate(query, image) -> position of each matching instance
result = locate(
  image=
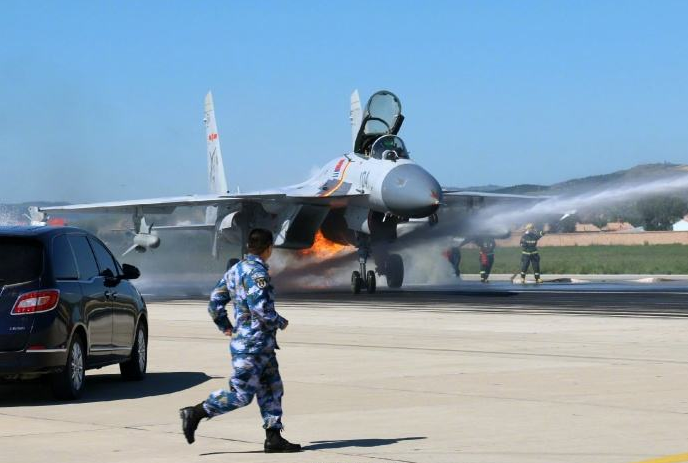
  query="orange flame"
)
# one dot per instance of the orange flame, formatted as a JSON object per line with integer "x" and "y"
{"x": 322, "y": 247}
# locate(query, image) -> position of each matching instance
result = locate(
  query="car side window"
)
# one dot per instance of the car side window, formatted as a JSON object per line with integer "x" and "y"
{"x": 104, "y": 258}
{"x": 64, "y": 266}
{"x": 85, "y": 260}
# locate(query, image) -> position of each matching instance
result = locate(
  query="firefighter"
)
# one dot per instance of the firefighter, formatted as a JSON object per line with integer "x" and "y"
{"x": 453, "y": 255}
{"x": 529, "y": 252}
{"x": 486, "y": 247}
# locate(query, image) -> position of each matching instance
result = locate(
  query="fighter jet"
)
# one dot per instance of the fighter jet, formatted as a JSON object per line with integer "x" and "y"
{"x": 360, "y": 198}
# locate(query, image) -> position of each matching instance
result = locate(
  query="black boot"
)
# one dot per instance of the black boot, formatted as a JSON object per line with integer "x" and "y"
{"x": 275, "y": 443}
{"x": 191, "y": 416}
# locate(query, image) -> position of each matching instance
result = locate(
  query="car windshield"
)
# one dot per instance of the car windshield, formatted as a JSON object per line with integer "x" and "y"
{"x": 389, "y": 147}
{"x": 21, "y": 260}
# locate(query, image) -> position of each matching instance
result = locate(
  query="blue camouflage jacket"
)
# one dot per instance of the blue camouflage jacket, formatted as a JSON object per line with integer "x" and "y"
{"x": 247, "y": 284}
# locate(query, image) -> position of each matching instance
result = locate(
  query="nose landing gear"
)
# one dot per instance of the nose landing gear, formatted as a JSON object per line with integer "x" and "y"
{"x": 358, "y": 282}
{"x": 390, "y": 266}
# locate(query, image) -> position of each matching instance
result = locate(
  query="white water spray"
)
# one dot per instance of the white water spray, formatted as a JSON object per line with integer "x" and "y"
{"x": 500, "y": 216}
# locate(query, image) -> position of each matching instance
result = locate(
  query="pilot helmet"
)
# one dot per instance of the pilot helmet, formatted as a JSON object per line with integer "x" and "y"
{"x": 389, "y": 142}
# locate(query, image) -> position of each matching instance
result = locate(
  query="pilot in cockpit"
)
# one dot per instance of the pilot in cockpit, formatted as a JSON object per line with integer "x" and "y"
{"x": 389, "y": 147}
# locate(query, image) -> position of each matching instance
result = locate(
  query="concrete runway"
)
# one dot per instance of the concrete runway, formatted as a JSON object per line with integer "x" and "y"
{"x": 469, "y": 373}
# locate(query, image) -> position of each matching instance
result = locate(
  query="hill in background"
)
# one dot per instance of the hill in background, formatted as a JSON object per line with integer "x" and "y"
{"x": 643, "y": 173}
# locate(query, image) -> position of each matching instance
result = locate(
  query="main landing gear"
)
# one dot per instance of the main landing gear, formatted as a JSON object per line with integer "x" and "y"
{"x": 394, "y": 270}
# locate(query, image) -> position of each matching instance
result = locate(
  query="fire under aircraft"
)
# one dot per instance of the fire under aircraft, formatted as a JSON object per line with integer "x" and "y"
{"x": 359, "y": 198}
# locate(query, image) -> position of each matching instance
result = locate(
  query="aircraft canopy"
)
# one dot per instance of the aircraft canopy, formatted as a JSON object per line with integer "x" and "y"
{"x": 389, "y": 147}
{"x": 382, "y": 116}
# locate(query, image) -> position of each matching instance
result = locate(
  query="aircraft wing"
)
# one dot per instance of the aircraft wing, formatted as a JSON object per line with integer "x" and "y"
{"x": 454, "y": 197}
{"x": 167, "y": 205}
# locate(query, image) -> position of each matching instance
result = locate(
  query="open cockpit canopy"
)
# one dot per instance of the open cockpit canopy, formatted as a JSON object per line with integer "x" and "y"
{"x": 382, "y": 116}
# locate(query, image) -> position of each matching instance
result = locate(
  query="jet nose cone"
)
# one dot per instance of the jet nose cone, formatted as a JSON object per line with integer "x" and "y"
{"x": 409, "y": 190}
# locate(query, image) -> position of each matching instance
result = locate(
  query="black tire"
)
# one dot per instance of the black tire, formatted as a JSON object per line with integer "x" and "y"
{"x": 356, "y": 282}
{"x": 370, "y": 282}
{"x": 69, "y": 383}
{"x": 134, "y": 369}
{"x": 395, "y": 271}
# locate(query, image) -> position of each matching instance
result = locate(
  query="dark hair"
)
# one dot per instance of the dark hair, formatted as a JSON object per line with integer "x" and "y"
{"x": 259, "y": 240}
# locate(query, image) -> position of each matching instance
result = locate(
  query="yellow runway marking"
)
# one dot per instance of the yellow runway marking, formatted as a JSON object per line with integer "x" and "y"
{"x": 668, "y": 459}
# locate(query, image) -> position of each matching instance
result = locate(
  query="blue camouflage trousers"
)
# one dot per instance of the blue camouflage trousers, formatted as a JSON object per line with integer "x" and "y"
{"x": 254, "y": 374}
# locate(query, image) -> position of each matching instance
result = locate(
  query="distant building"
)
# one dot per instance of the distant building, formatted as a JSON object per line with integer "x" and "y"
{"x": 617, "y": 227}
{"x": 681, "y": 225}
{"x": 586, "y": 228}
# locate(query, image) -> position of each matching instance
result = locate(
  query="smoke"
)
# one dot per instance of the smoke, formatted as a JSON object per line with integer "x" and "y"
{"x": 295, "y": 272}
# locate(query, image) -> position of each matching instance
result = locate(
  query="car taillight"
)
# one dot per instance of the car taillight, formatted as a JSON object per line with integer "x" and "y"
{"x": 36, "y": 301}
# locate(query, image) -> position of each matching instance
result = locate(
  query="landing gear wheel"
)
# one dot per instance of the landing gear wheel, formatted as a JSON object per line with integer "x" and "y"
{"x": 69, "y": 383}
{"x": 356, "y": 282}
{"x": 134, "y": 369}
{"x": 395, "y": 271}
{"x": 371, "y": 284}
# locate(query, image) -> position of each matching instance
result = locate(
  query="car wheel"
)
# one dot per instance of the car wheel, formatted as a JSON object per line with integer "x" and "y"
{"x": 69, "y": 383}
{"x": 134, "y": 369}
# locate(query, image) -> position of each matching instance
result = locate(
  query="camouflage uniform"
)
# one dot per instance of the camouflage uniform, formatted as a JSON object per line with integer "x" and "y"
{"x": 253, "y": 343}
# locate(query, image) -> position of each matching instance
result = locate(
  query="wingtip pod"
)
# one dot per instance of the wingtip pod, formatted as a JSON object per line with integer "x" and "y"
{"x": 36, "y": 216}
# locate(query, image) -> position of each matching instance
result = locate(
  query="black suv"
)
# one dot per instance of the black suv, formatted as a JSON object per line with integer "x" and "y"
{"x": 66, "y": 306}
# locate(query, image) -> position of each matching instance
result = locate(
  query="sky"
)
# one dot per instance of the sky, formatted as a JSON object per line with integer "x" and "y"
{"x": 104, "y": 100}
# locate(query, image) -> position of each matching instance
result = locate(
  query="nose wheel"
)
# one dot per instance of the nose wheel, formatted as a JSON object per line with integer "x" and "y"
{"x": 358, "y": 282}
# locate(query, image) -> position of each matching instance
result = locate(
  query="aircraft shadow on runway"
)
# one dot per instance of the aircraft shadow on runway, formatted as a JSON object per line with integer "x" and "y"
{"x": 102, "y": 388}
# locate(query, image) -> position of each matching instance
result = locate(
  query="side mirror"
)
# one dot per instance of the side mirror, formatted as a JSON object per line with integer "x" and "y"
{"x": 130, "y": 272}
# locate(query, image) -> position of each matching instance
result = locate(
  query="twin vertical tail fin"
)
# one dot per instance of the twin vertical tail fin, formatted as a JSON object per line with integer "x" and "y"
{"x": 217, "y": 182}
{"x": 355, "y": 116}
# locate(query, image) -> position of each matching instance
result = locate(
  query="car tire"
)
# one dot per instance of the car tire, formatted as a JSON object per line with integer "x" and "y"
{"x": 134, "y": 369}
{"x": 68, "y": 384}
